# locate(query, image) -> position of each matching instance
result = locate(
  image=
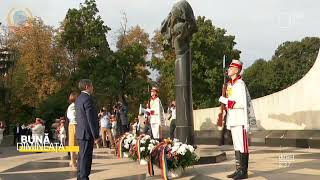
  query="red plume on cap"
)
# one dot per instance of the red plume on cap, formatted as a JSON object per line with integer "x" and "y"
{"x": 39, "y": 121}
{"x": 236, "y": 63}
{"x": 154, "y": 89}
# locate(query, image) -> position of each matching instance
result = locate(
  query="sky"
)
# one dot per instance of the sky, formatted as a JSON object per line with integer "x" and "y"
{"x": 259, "y": 26}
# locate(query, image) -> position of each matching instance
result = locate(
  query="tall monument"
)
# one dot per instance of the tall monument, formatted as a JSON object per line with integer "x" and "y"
{"x": 178, "y": 29}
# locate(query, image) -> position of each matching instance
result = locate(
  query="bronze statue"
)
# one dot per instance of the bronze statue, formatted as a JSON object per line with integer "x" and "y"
{"x": 178, "y": 29}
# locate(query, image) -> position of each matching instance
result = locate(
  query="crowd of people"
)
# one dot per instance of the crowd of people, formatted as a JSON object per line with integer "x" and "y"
{"x": 91, "y": 127}
{"x": 36, "y": 130}
{"x": 83, "y": 126}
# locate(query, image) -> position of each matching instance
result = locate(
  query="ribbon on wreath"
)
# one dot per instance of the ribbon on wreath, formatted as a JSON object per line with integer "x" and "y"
{"x": 138, "y": 147}
{"x": 161, "y": 148}
{"x": 150, "y": 167}
{"x": 120, "y": 147}
{"x": 153, "y": 153}
{"x": 163, "y": 162}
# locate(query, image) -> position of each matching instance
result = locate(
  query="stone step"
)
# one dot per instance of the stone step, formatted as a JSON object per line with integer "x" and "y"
{"x": 272, "y": 138}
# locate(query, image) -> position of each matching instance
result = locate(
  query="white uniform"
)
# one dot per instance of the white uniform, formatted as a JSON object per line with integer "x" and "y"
{"x": 1, "y": 134}
{"x": 237, "y": 115}
{"x": 156, "y": 116}
{"x": 37, "y": 131}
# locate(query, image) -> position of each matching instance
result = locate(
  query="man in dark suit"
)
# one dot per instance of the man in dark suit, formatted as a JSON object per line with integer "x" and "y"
{"x": 87, "y": 128}
{"x": 17, "y": 132}
{"x": 123, "y": 113}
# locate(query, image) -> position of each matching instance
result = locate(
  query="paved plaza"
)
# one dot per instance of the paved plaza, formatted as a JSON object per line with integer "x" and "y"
{"x": 265, "y": 163}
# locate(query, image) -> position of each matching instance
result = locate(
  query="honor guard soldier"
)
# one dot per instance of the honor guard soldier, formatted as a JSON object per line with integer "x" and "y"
{"x": 156, "y": 113}
{"x": 237, "y": 118}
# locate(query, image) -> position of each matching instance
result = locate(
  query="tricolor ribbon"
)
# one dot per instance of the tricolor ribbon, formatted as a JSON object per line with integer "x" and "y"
{"x": 150, "y": 167}
{"x": 138, "y": 146}
{"x": 153, "y": 153}
{"x": 120, "y": 147}
{"x": 163, "y": 163}
{"x": 162, "y": 160}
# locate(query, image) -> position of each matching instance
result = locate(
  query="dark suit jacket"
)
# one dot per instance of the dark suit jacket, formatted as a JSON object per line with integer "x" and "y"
{"x": 124, "y": 115}
{"x": 86, "y": 115}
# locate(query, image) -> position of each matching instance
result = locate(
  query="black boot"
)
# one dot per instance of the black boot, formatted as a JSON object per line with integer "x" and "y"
{"x": 243, "y": 171}
{"x": 237, "y": 159}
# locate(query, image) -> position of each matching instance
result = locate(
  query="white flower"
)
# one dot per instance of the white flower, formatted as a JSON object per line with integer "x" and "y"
{"x": 134, "y": 141}
{"x": 174, "y": 149}
{"x": 197, "y": 157}
{"x": 152, "y": 141}
{"x": 125, "y": 141}
{"x": 191, "y": 149}
{"x": 142, "y": 149}
{"x": 126, "y": 146}
{"x": 146, "y": 137}
{"x": 142, "y": 141}
{"x": 150, "y": 147}
{"x": 177, "y": 144}
{"x": 175, "y": 140}
{"x": 182, "y": 149}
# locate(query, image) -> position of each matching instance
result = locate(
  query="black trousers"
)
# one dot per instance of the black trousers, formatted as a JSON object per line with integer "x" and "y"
{"x": 16, "y": 139}
{"x": 125, "y": 128}
{"x": 147, "y": 130}
{"x": 85, "y": 159}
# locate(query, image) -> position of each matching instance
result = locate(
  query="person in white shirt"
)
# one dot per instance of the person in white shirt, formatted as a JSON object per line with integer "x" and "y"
{"x": 2, "y": 128}
{"x": 105, "y": 128}
{"x": 114, "y": 126}
{"x": 62, "y": 134}
{"x": 172, "y": 118}
{"x": 156, "y": 113}
{"x": 71, "y": 115}
{"x": 37, "y": 129}
{"x": 135, "y": 127}
{"x": 237, "y": 118}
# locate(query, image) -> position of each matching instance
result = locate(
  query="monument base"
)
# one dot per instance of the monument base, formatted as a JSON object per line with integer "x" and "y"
{"x": 210, "y": 155}
{"x": 272, "y": 138}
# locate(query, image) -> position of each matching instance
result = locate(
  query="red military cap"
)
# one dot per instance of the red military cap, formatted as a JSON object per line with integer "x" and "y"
{"x": 236, "y": 63}
{"x": 154, "y": 89}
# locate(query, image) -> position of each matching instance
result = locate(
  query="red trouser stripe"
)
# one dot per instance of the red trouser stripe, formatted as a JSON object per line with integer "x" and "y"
{"x": 245, "y": 141}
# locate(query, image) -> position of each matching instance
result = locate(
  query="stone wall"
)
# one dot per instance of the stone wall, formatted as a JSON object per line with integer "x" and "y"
{"x": 294, "y": 108}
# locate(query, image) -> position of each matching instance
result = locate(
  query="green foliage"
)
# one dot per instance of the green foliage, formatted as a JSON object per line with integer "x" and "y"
{"x": 184, "y": 161}
{"x": 84, "y": 32}
{"x": 52, "y": 61}
{"x": 208, "y": 46}
{"x": 291, "y": 61}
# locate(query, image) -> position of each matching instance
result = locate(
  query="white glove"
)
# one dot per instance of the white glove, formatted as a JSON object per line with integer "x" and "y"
{"x": 223, "y": 100}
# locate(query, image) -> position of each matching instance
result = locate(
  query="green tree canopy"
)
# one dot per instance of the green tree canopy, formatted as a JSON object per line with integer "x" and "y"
{"x": 291, "y": 61}
{"x": 208, "y": 46}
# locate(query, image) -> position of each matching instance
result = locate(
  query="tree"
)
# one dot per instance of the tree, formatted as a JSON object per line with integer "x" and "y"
{"x": 135, "y": 35}
{"x": 130, "y": 60}
{"x": 257, "y": 85}
{"x": 83, "y": 34}
{"x": 291, "y": 61}
{"x": 39, "y": 71}
{"x": 208, "y": 46}
{"x": 40, "y": 62}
